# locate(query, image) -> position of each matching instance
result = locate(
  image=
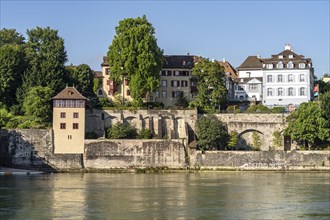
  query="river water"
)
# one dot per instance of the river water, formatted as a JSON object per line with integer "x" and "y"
{"x": 206, "y": 195}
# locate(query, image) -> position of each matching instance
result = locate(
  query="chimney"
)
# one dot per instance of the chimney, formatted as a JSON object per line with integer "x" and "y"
{"x": 288, "y": 47}
{"x": 258, "y": 56}
{"x": 223, "y": 59}
{"x": 213, "y": 60}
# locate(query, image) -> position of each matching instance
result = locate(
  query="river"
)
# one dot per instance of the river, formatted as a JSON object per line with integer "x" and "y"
{"x": 205, "y": 195}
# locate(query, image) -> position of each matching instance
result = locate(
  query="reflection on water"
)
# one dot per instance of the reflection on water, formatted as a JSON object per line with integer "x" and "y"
{"x": 218, "y": 195}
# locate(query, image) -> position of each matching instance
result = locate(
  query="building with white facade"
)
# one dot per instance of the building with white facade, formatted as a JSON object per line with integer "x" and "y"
{"x": 249, "y": 86}
{"x": 287, "y": 79}
{"x": 282, "y": 80}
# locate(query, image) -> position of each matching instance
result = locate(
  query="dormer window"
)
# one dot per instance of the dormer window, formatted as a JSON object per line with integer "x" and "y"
{"x": 280, "y": 65}
{"x": 302, "y": 65}
{"x": 290, "y": 65}
{"x": 270, "y": 66}
{"x": 280, "y": 56}
{"x": 290, "y": 56}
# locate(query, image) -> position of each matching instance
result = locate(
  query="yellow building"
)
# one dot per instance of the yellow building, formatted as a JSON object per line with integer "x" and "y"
{"x": 69, "y": 122}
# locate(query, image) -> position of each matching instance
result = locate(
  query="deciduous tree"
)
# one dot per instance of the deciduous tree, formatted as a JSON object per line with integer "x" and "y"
{"x": 37, "y": 104}
{"x": 210, "y": 85}
{"x": 134, "y": 53}
{"x": 308, "y": 124}
{"x": 212, "y": 135}
{"x": 47, "y": 56}
{"x": 82, "y": 77}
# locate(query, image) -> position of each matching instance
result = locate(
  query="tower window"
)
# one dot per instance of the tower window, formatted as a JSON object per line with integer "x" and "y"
{"x": 62, "y": 126}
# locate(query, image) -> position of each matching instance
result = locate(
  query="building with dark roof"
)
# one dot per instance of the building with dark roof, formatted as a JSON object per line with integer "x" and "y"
{"x": 69, "y": 121}
{"x": 283, "y": 79}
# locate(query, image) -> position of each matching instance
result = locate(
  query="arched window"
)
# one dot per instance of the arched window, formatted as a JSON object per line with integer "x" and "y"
{"x": 302, "y": 65}
{"x": 290, "y": 65}
{"x": 290, "y": 78}
{"x": 269, "y": 92}
{"x": 269, "y": 78}
{"x": 302, "y": 78}
{"x": 290, "y": 92}
{"x": 302, "y": 91}
{"x": 279, "y": 78}
{"x": 280, "y": 65}
{"x": 280, "y": 92}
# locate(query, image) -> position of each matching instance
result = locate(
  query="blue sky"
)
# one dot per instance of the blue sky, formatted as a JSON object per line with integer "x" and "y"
{"x": 212, "y": 29}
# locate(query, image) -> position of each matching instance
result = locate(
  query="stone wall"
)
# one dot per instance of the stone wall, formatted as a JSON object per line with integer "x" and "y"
{"x": 264, "y": 124}
{"x": 163, "y": 123}
{"x": 33, "y": 148}
{"x": 103, "y": 154}
{"x": 251, "y": 160}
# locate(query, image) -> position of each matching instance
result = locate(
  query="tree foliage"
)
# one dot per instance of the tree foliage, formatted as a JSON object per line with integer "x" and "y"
{"x": 211, "y": 89}
{"x": 277, "y": 139}
{"x": 10, "y": 36}
{"x": 308, "y": 124}
{"x": 12, "y": 66}
{"x": 121, "y": 131}
{"x": 46, "y": 55}
{"x": 145, "y": 134}
{"x": 233, "y": 140}
{"x": 212, "y": 135}
{"x": 82, "y": 77}
{"x": 37, "y": 104}
{"x": 134, "y": 54}
{"x": 256, "y": 142}
{"x": 325, "y": 106}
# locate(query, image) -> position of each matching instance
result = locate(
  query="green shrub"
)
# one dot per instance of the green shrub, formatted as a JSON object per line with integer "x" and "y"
{"x": 121, "y": 131}
{"x": 278, "y": 109}
{"x": 90, "y": 135}
{"x": 233, "y": 108}
{"x": 256, "y": 144}
{"x": 257, "y": 109}
{"x": 145, "y": 134}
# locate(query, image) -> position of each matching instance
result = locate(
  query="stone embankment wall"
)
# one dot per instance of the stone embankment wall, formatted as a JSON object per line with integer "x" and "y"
{"x": 33, "y": 148}
{"x": 103, "y": 154}
{"x": 262, "y": 160}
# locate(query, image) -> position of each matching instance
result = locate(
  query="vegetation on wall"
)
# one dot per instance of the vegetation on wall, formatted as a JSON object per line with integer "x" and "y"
{"x": 135, "y": 55}
{"x": 277, "y": 139}
{"x": 233, "y": 140}
{"x": 256, "y": 142}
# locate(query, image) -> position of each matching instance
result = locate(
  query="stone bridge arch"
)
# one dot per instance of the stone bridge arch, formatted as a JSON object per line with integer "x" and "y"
{"x": 245, "y": 139}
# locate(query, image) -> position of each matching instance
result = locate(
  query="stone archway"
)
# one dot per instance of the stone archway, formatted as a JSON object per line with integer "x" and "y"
{"x": 245, "y": 139}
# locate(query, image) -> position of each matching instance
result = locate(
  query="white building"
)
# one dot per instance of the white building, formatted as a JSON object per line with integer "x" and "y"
{"x": 282, "y": 80}
{"x": 250, "y": 73}
{"x": 287, "y": 79}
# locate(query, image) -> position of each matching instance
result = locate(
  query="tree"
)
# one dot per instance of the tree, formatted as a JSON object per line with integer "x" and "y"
{"x": 122, "y": 131}
{"x": 37, "y": 104}
{"x": 46, "y": 55}
{"x": 10, "y": 36}
{"x": 308, "y": 124}
{"x": 257, "y": 108}
{"x": 256, "y": 142}
{"x": 82, "y": 77}
{"x": 233, "y": 140}
{"x": 277, "y": 139}
{"x": 325, "y": 106}
{"x": 210, "y": 84}
{"x": 134, "y": 54}
{"x": 12, "y": 66}
{"x": 212, "y": 135}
